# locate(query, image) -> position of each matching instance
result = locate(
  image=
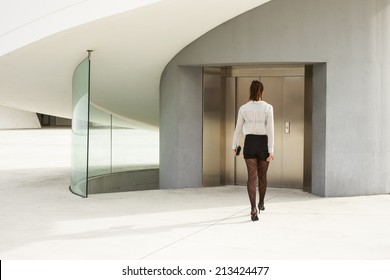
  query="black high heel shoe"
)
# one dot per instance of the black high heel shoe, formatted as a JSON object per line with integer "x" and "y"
{"x": 261, "y": 206}
{"x": 254, "y": 216}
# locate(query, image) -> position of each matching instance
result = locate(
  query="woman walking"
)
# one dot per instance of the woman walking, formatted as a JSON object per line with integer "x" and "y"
{"x": 256, "y": 121}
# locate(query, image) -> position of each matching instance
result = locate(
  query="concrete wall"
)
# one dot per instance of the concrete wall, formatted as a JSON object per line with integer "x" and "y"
{"x": 351, "y": 126}
{"x": 11, "y": 118}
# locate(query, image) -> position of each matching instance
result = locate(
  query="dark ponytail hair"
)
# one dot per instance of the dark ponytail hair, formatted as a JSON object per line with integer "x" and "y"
{"x": 256, "y": 90}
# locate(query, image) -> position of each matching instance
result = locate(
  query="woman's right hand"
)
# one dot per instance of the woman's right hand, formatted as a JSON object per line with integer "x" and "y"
{"x": 270, "y": 157}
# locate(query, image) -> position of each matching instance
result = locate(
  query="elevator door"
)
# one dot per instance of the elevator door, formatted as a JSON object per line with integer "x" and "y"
{"x": 286, "y": 95}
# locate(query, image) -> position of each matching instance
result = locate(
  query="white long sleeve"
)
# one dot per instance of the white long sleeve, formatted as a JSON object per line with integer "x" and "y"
{"x": 255, "y": 117}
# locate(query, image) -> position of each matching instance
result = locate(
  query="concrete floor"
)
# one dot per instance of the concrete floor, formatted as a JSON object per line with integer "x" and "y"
{"x": 41, "y": 219}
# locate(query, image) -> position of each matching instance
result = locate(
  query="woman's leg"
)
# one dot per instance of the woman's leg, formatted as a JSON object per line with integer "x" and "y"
{"x": 251, "y": 165}
{"x": 262, "y": 168}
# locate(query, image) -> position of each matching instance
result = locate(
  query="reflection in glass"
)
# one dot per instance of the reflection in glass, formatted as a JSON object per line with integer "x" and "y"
{"x": 100, "y": 158}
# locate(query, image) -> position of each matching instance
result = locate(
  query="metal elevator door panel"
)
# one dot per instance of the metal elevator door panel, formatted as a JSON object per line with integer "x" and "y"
{"x": 293, "y": 132}
{"x": 286, "y": 95}
{"x": 273, "y": 94}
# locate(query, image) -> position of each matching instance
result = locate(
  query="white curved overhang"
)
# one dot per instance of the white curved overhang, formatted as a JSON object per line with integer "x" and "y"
{"x": 132, "y": 42}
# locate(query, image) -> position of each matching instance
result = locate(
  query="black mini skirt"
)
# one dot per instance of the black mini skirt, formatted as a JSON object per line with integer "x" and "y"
{"x": 256, "y": 146}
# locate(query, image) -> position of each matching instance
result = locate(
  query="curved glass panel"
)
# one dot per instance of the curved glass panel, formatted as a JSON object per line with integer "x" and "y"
{"x": 100, "y": 158}
{"x": 116, "y": 145}
{"x": 133, "y": 148}
{"x": 80, "y": 119}
{"x": 103, "y": 143}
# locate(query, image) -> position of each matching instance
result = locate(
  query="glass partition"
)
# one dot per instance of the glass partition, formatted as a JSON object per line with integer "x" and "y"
{"x": 118, "y": 145}
{"x": 134, "y": 147}
{"x": 80, "y": 120}
{"x": 104, "y": 143}
{"x": 100, "y": 138}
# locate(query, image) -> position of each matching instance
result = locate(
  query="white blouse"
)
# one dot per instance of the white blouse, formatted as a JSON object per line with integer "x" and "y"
{"x": 255, "y": 117}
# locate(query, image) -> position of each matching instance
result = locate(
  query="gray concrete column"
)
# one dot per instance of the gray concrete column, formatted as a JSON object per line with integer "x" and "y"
{"x": 181, "y": 127}
{"x": 319, "y": 130}
{"x": 384, "y": 86}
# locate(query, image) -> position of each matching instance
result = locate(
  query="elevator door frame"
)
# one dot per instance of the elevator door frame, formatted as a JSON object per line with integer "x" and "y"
{"x": 226, "y": 78}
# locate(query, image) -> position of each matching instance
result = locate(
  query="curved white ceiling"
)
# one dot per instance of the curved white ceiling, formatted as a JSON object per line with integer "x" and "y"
{"x": 25, "y": 21}
{"x": 131, "y": 50}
